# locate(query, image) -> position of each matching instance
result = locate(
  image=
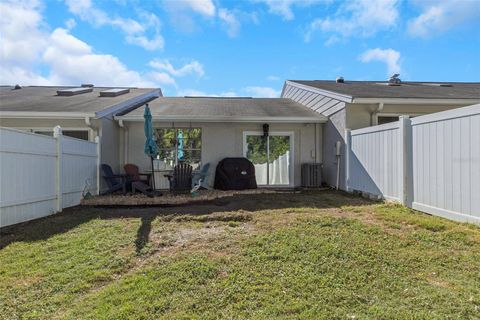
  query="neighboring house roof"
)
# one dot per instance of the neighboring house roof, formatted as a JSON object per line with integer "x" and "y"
{"x": 209, "y": 109}
{"x": 381, "y": 89}
{"x": 44, "y": 101}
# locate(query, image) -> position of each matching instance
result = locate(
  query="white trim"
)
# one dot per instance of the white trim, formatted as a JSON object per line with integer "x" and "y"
{"x": 43, "y": 115}
{"x": 448, "y": 115}
{"x": 451, "y": 215}
{"x": 186, "y": 118}
{"x": 323, "y": 92}
{"x": 290, "y": 134}
{"x": 436, "y": 101}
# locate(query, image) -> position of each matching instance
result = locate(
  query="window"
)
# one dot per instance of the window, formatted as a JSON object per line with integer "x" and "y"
{"x": 79, "y": 134}
{"x": 387, "y": 119}
{"x": 179, "y": 145}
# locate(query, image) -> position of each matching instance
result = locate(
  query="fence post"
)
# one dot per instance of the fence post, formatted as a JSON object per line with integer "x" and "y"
{"x": 57, "y": 133}
{"x": 348, "y": 147}
{"x": 405, "y": 145}
{"x": 97, "y": 140}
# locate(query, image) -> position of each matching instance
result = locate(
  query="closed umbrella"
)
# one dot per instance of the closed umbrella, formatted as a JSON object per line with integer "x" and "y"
{"x": 151, "y": 148}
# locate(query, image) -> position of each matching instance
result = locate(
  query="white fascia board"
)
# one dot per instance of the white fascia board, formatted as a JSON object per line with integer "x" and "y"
{"x": 45, "y": 115}
{"x": 416, "y": 101}
{"x": 330, "y": 94}
{"x": 313, "y": 119}
{"x": 128, "y": 103}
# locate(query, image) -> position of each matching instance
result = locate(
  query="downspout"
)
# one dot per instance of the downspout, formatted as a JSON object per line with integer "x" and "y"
{"x": 125, "y": 140}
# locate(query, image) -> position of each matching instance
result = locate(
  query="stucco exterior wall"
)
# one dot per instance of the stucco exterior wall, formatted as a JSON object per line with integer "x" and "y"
{"x": 221, "y": 140}
{"x": 28, "y": 124}
{"x": 110, "y": 143}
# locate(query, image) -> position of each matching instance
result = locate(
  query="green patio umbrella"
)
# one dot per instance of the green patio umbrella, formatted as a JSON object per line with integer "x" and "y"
{"x": 151, "y": 149}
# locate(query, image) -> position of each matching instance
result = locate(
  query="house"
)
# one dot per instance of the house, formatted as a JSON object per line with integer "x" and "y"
{"x": 83, "y": 112}
{"x": 359, "y": 104}
{"x": 200, "y": 130}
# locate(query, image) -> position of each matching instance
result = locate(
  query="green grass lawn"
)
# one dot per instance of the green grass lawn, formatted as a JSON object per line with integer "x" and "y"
{"x": 308, "y": 255}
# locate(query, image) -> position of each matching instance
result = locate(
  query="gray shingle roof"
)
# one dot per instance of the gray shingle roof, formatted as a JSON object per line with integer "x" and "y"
{"x": 380, "y": 89}
{"x": 45, "y": 99}
{"x": 226, "y": 108}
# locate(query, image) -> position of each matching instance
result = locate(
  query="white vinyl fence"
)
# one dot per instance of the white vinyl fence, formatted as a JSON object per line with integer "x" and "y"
{"x": 374, "y": 160}
{"x": 41, "y": 175}
{"x": 430, "y": 163}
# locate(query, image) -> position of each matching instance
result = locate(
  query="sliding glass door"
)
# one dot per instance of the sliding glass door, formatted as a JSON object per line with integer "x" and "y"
{"x": 271, "y": 156}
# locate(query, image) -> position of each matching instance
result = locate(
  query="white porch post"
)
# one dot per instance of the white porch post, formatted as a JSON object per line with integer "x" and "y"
{"x": 57, "y": 133}
{"x": 348, "y": 147}
{"x": 405, "y": 169}
{"x": 97, "y": 141}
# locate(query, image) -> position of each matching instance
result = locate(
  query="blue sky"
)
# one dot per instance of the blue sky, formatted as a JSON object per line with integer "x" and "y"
{"x": 243, "y": 48}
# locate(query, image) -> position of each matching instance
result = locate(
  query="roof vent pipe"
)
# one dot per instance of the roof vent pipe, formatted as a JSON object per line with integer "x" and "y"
{"x": 340, "y": 80}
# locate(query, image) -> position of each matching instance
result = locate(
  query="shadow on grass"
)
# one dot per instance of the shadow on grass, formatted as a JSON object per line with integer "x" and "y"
{"x": 69, "y": 219}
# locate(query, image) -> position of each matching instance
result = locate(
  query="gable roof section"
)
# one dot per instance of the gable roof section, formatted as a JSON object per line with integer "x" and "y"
{"x": 43, "y": 101}
{"x": 381, "y": 89}
{"x": 208, "y": 109}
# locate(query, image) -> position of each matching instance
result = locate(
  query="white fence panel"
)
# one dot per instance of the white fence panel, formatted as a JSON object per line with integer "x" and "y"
{"x": 27, "y": 176}
{"x": 40, "y": 175}
{"x": 446, "y": 164}
{"x": 374, "y": 160}
{"x": 79, "y": 169}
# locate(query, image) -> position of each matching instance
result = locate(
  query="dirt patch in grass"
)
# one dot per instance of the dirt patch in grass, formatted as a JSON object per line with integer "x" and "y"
{"x": 169, "y": 199}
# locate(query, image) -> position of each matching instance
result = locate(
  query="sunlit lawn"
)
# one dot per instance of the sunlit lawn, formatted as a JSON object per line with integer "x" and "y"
{"x": 292, "y": 255}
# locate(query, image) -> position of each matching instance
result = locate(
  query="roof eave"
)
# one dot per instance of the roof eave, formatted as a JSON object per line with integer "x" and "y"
{"x": 455, "y": 101}
{"x": 45, "y": 115}
{"x": 312, "y": 119}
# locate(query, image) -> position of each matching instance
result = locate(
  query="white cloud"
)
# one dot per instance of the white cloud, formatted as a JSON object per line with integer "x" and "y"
{"x": 193, "y": 67}
{"x": 72, "y": 61}
{"x": 135, "y": 32}
{"x": 231, "y": 22}
{"x": 162, "y": 78}
{"x": 388, "y": 56}
{"x": 273, "y": 78}
{"x": 263, "y": 92}
{"x": 22, "y": 32}
{"x": 284, "y": 8}
{"x": 440, "y": 16}
{"x": 356, "y": 18}
{"x": 203, "y": 7}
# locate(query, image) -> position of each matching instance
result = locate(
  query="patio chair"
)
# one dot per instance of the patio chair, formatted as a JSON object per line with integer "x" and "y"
{"x": 201, "y": 178}
{"x": 114, "y": 182}
{"x": 181, "y": 179}
{"x": 135, "y": 181}
{"x": 134, "y": 175}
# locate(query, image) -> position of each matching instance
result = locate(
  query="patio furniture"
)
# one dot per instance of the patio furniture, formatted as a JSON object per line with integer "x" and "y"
{"x": 181, "y": 178}
{"x": 143, "y": 188}
{"x": 114, "y": 182}
{"x": 134, "y": 175}
{"x": 201, "y": 177}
